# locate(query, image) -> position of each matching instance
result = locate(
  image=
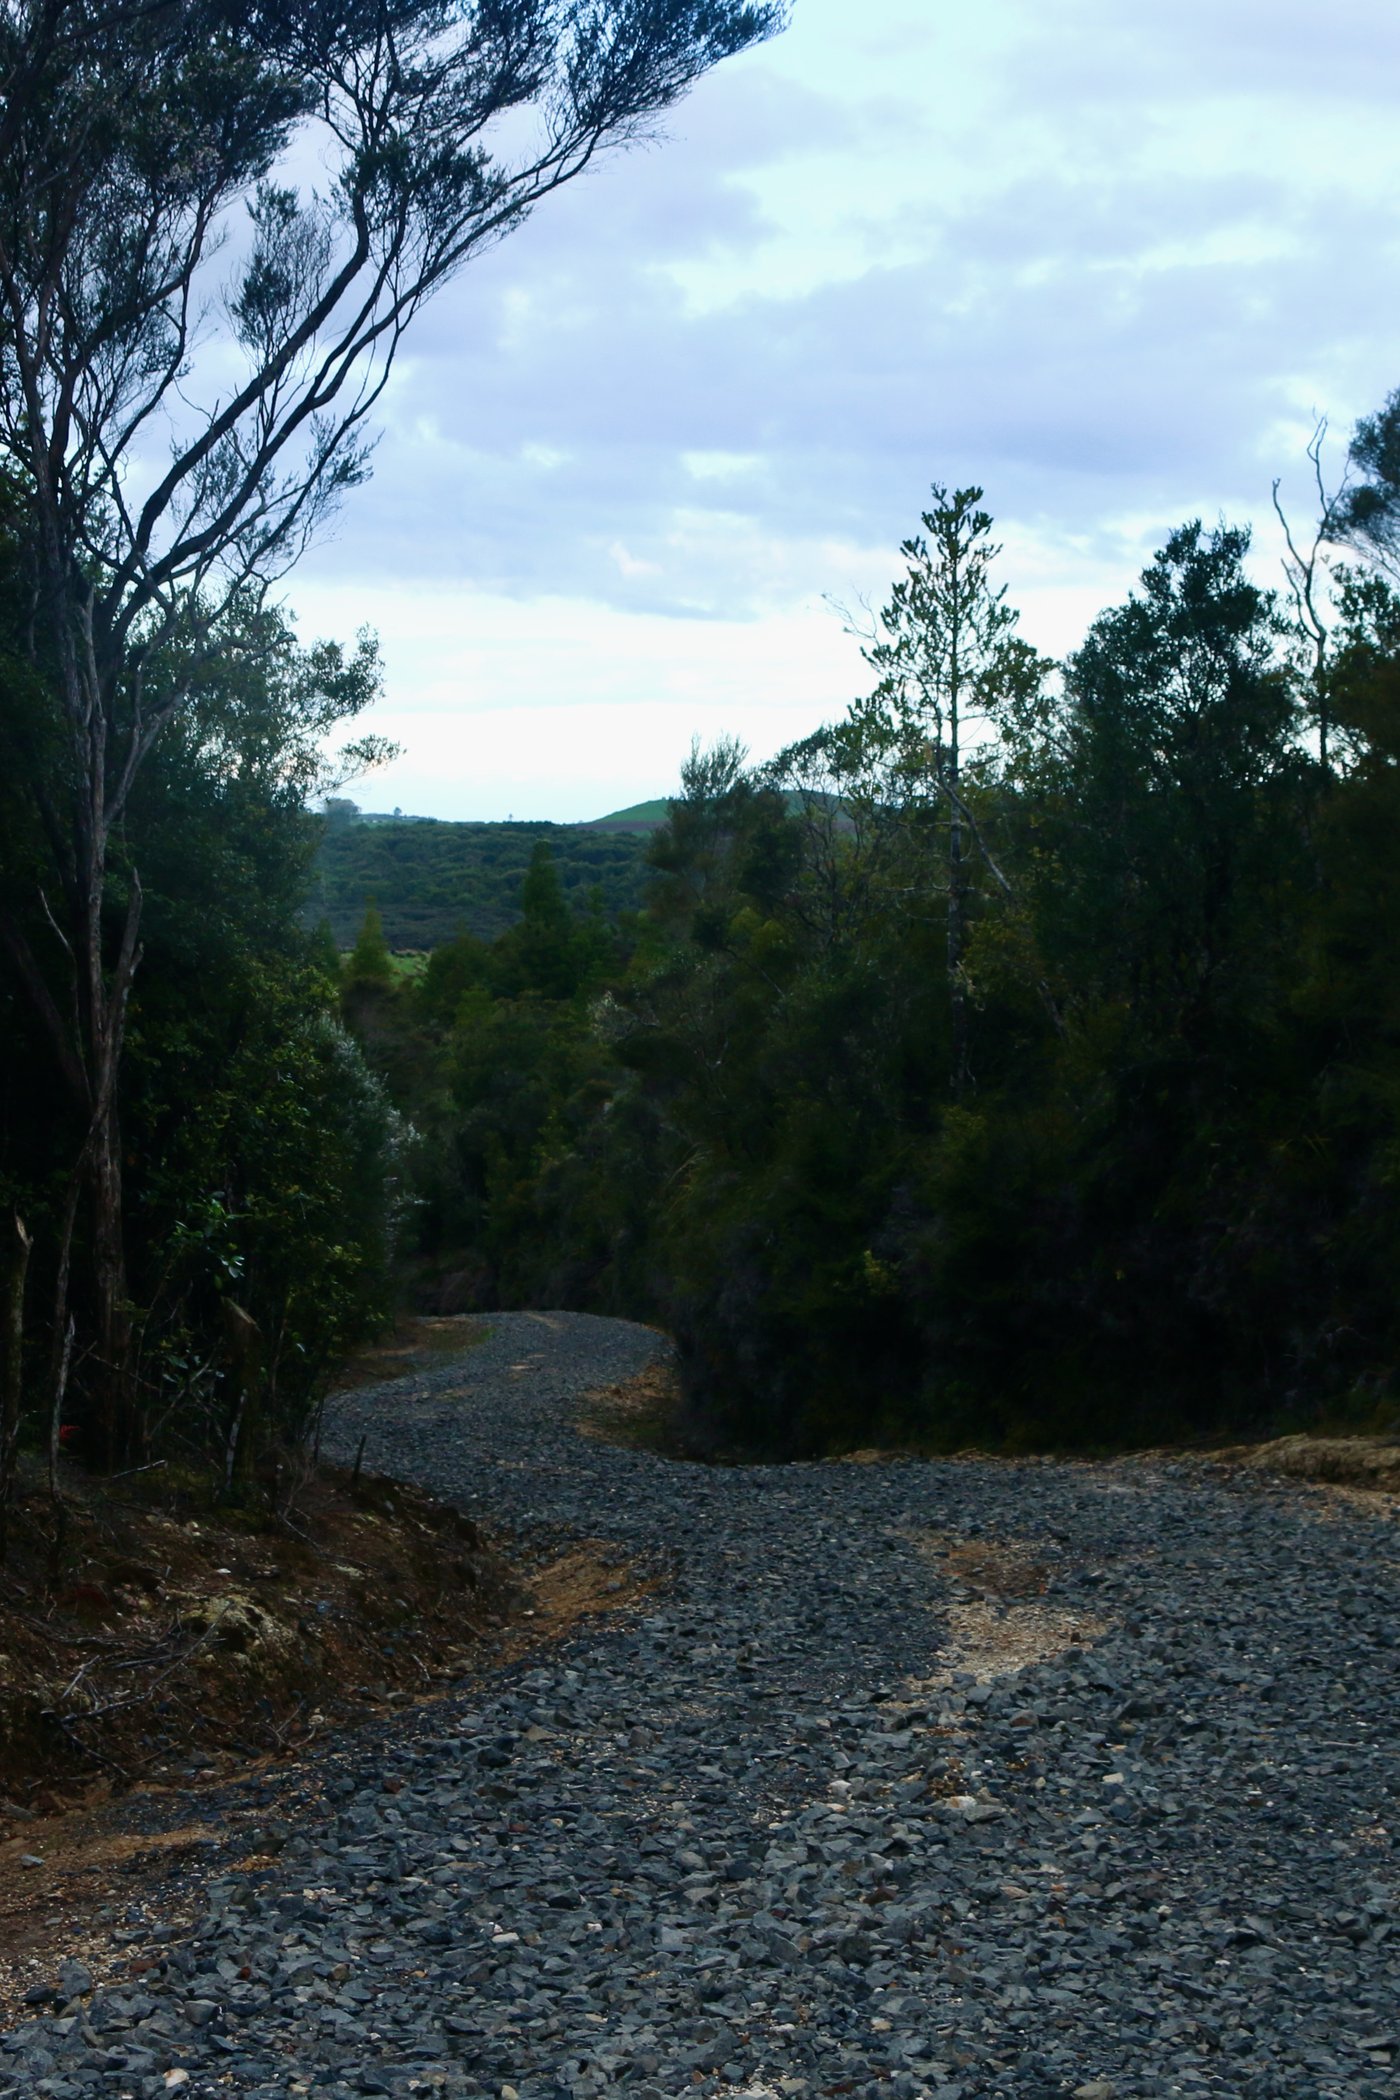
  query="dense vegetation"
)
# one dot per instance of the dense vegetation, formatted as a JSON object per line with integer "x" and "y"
{"x": 432, "y": 881}
{"x": 262, "y": 1181}
{"x": 198, "y": 1177}
{"x": 1014, "y": 1060}
{"x": 1017, "y": 1057}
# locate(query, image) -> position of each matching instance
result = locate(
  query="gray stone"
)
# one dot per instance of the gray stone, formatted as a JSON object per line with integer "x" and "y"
{"x": 712, "y": 1837}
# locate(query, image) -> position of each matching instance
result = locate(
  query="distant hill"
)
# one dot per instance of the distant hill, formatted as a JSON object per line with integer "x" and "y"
{"x": 641, "y": 817}
{"x": 644, "y": 817}
{"x": 433, "y": 879}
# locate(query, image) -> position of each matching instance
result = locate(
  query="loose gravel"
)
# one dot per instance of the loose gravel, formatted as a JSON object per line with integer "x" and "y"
{"x": 913, "y": 1779}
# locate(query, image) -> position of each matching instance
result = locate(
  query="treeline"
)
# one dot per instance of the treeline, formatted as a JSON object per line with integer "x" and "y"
{"x": 431, "y": 881}
{"x": 1016, "y": 1060}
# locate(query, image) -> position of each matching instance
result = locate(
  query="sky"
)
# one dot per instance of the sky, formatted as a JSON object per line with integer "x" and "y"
{"x": 1109, "y": 263}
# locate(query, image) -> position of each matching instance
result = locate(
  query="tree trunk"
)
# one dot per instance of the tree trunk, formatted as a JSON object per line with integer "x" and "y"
{"x": 59, "y": 1508}
{"x": 103, "y": 1007}
{"x": 12, "y": 1372}
{"x": 88, "y": 1044}
{"x": 120, "y": 1422}
{"x": 240, "y": 1450}
{"x": 957, "y": 891}
{"x": 957, "y": 988}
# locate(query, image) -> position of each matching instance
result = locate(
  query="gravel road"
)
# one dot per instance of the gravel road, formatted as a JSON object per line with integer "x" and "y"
{"x": 912, "y": 1780}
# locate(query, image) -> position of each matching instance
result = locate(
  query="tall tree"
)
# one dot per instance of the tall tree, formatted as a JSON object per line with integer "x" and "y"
{"x": 949, "y": 660}
{"x": 370, "y": 961}
{"x": 1308, "y": 574}
{"x": 1181, "y": 724}
{"x": 130, "y": 137}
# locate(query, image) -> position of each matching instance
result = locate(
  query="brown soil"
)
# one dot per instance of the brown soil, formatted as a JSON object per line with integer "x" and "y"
{"x": 1365, "y": 1466}
{"x": 642, "y": 1413}
{"x": 1004, "y": 1569}
{"x": 189, "y": 1663}
{"x": 1000, "y": 1628}
{"x": 1371, "y": 1463}
{"x": 414, "y": 1345}
{"x": 160, "y": 1633}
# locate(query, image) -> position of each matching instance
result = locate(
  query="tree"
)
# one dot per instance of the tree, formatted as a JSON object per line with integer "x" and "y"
{"x": 1306, "y": 565}
{"x": 949, "y": 661}
{"x": 370, "y": 961}
{"x": 547, "y": 937}
{"x": 1367, "y": 512}
{"x": 1176, "y": 1211}
{"x": 1180, "y": 729}
{"x": 130, "y": 137}
{"x": 693, "y": 854}
{"x": 253, "y": 1190}
{"x": 16, "y": 1270}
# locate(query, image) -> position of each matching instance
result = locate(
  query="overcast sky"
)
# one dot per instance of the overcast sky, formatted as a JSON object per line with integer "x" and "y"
{"x": 1107, "y": 262}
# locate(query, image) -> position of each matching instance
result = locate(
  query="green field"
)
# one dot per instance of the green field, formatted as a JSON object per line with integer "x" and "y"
{"x": 640, "y": 817}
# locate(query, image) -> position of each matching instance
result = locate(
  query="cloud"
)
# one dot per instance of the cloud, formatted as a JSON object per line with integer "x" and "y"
{"x": 579, "y": 709}
{"x": 1080, "y": 361}
{"x": 1104, "y": 263}
{"x": 1202, "y": 51}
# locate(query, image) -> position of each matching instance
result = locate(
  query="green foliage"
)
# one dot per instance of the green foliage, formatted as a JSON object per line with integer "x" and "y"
{"x": 1369, "y": 509}
{"x": 283, "y": 1193}
{"x": 1152, "y": 1189}
{"x": 551, "y": 952}
{"x": 434, "y": 881}
{"x": 638, "y": 816}
{"x": 134, "y": 140}
{"x": 264, "y": 1163}
{"x": 284, "y": 1196}
{"x": 369, "y": 960}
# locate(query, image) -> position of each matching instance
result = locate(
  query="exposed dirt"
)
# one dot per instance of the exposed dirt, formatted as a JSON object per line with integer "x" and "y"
{"x": 1371, "y": 1463}
{"x": 103, "y": 1851}
{"x": 988, "y": 1640}
{"x": 415, "y": 1345}
{"x": 178, "y": 1680}
{"x": 155, "y": 1634}
{"x": 171, "y": 1669}
{"x": 647, "y": 1413}
{"x": 642, "y": 1413}
{"x": 1000, "y": 1627}
{"x": 1365, "y": 1465}
{"x": 1003, "y": 1569}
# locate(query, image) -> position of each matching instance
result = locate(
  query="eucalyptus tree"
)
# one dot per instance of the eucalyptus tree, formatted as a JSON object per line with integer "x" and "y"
{"x": 217, "y": 219}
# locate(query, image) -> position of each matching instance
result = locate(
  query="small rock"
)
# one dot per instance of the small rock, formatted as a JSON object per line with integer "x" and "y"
{"x": 1096, "y": 2089}
{"x": 75, "y": 1979}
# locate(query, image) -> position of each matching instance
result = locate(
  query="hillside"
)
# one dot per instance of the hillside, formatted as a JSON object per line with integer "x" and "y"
{"x": 432, "y": 880}
{"x": 640, "y": 817}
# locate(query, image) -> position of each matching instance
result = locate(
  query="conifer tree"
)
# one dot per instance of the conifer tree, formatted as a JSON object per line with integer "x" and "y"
{"x": 370, "y": 961}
